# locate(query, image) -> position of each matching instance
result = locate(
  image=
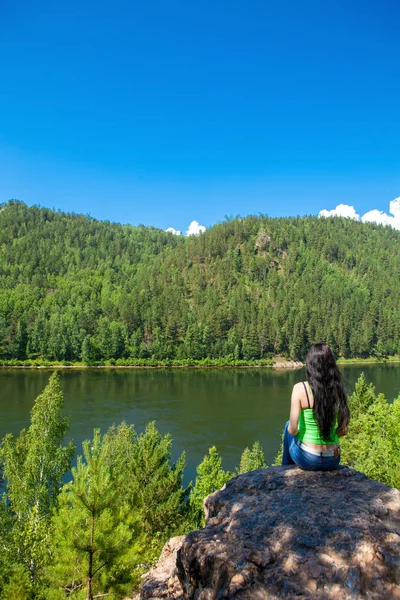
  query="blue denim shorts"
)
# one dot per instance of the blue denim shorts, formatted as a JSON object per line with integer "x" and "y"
{"x": 294, "y": 454}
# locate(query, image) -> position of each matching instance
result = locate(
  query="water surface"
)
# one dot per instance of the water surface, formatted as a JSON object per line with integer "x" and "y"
{"x": 228, "y": 408}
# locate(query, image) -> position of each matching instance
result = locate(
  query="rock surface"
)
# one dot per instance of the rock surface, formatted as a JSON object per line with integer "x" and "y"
{"x": 287, "y": 363}
{"x": 285, "y": 533}
{"x": 162, "y": 581}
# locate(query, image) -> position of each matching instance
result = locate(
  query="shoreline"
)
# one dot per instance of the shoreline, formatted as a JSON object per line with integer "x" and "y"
{"x": 280, "y": 363}
{"x": 295, "y": 365}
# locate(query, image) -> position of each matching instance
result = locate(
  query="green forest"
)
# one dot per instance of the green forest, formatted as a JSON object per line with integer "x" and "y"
{"x": 90, "y": 531}
{"x": 77, "y": 290}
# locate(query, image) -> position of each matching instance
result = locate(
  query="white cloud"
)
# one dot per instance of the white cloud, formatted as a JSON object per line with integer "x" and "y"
{"x": 195, "y": 228}
{"x": 372, "y": 216}
{"x": 394, "y": 208}
{"x": 342, "y": 210}
{"x": 376, "y": 216}
{"x": 174, "y": 231}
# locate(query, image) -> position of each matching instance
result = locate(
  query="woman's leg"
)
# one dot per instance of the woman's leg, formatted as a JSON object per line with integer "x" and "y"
{"x": 288, "y": 439}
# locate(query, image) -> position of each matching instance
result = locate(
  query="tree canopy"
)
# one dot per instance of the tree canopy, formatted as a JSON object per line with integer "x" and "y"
{"x": 76, "y": 289}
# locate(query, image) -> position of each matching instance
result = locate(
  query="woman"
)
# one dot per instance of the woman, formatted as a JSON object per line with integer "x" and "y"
{"x": 319, "y": 415}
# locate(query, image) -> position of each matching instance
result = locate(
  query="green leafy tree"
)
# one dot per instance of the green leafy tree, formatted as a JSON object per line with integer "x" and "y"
{"x": 34, "y": 464}
{"x": 86, "y": 352}
{"x": 210, "y": 478}
{"x": 252, "y": 459}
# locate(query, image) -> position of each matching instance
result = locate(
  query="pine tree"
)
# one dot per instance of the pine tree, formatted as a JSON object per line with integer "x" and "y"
{"x": 372, "y": 444}
{"x": 18, "y": 585}
{"x": 92, "y": 530}
{"x": 150, "y": 483}
{"x": 252, "y": 459}
{"x": 210, "y": 478}
{"x": 156, "y": 482}
{"x": 362, "y": 398}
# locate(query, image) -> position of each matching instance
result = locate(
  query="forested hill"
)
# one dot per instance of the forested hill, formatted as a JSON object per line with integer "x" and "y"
{"x": 77, "y": 289}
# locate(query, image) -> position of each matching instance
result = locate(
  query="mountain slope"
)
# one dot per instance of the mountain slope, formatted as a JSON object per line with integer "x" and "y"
{"x": 74, "y": 288}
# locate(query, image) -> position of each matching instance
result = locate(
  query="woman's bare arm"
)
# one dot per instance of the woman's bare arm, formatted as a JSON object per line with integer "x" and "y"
{"x": 295, "y": 408}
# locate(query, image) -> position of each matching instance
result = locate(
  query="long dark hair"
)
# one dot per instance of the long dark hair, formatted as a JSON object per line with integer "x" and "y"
{"x": 326, "y": 382}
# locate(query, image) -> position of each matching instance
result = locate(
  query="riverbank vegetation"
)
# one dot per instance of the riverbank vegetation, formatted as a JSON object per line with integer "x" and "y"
{"x": 153, "y": 363}
{"x": 140, "y": 362}
{"x": 77, "y": 290}
{"x": 92, "y": 529}
{"x": 372, "y": 445}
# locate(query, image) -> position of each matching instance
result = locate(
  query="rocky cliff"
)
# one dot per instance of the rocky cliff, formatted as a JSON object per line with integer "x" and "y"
{"x": 285, "y": 533}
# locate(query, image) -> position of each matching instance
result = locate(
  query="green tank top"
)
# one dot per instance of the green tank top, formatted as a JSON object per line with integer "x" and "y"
{"x": 309, "y": 430}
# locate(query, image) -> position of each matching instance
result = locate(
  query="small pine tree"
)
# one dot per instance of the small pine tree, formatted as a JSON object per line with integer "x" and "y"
{"x": 19, "y": 585}
{"x": 92, "y": 530}
{"x": 252, "y": 459}
{"x": 121, "y": 442}
{"x": 278, "y": 458}
{"x": 363, "y": 396}
{"x": 150, "y": 484}
{"x": 210, "y": 478}
{"x": 156, "y": 482}
{"x": 372, "y": 444}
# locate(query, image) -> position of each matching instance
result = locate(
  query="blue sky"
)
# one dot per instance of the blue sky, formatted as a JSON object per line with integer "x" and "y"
{"x": 162, "y": 113}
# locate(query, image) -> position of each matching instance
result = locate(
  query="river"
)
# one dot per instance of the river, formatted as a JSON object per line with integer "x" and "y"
{"x": 228, "y": 408}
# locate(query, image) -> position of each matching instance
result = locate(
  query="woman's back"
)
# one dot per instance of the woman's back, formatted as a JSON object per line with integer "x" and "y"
{"x": 319, "y": 414}
{"x": 308, "y": 429}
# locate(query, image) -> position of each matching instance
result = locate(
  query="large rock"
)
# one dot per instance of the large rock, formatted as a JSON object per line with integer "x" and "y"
{"x": 162, "y": 582}
{"x": 285, "y": 533}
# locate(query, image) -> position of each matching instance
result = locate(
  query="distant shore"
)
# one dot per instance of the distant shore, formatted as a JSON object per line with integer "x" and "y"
{"x": 277, "y": 363}
{"x": 281, "y": 364}
{"x": 368, "y": 361}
